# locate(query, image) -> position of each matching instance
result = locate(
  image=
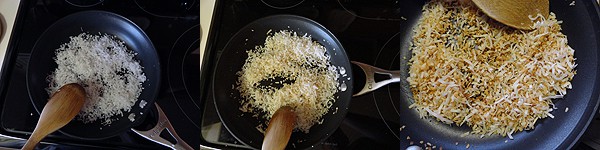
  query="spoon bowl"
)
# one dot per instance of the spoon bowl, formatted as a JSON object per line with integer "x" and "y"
{"x": 514, "y": 13}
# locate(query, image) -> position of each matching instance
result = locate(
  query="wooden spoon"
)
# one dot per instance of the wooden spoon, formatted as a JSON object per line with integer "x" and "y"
{"x": 280, "y": 129}
{"x": 514, "y": 13}
{"x": 62, "y": 107}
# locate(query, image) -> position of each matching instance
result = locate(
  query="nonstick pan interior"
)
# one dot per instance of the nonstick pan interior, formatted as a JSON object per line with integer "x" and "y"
{"x": 582, "y": 26}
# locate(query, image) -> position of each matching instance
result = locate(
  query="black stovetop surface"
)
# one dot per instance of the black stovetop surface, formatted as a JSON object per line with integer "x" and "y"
{"x": 370, "y": 32}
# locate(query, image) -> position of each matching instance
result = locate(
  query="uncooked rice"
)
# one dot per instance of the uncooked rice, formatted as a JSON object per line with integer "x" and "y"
{"x": 107, "y": 70}
{"x": 468, "y": 69}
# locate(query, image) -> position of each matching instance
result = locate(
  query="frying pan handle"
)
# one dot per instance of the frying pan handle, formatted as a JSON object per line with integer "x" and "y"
{"x": 370, "y": 72}
{"x": 162, "y": 124}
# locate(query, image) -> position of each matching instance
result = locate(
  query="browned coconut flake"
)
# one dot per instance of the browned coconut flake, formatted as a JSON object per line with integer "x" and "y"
{"x": 467, "y": 69}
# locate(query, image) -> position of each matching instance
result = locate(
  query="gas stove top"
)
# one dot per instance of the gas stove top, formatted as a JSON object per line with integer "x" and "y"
{"x": 173, "y": 28}
{"x": 370, "y": 31}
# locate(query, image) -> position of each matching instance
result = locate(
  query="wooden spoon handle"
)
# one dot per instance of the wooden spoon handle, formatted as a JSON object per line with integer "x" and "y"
{"x": 62, "y": 107}
{"x": 280, "y": 129}
{"x": 32, "y": 142}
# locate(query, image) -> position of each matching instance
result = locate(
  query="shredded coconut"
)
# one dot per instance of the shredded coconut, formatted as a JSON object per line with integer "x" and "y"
{"x": 105, "y": 68}
{"x": 143, "y": 103}
{"x": 300, "y": 66}
{"x": 467, "y": 69}
{"x": 131, "y": 117}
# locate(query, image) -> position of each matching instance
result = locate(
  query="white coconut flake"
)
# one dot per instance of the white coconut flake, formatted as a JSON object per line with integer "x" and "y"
{"x": 106, "y": 69}
{"x": 131, "y": 117}
{"x": 550, "y": 115}
{"x": 143, "y": 103}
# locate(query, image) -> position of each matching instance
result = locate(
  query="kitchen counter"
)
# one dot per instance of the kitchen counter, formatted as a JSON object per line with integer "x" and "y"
{"x": 8, "y": 12}
{"x": 206, "y": 12}
{"x": 171, "y": 25}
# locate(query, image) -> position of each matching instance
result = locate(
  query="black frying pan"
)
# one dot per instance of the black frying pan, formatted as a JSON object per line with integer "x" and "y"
{"x": 581, "y": 23}
{"x": 41, "y": 64}
{"x": 243, "y": 125}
